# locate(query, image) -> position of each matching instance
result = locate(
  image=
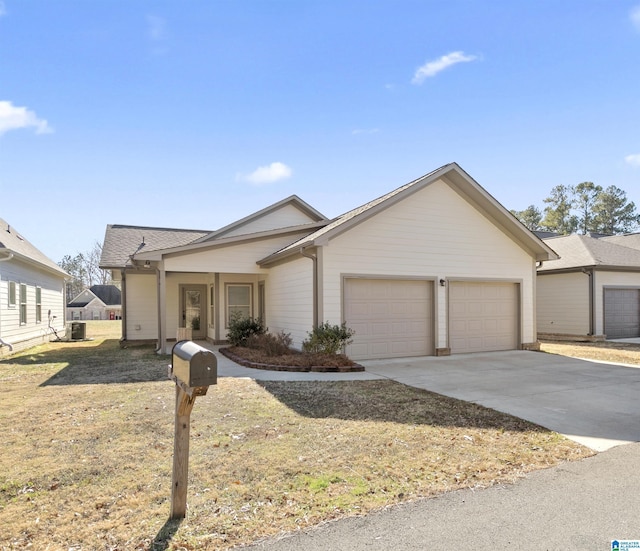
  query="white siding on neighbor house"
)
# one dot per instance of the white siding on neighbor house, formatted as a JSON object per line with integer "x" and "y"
{"x": 433, "y": 234}
{"x": 240, "y": 258}
{"x": 142, "y": 306}
{"x": 52, "y": 299}
{"x": 563, "y": 303}
{"x": 289, "y": 299}
{"x": 612, "y": 279}
{"x": 284, "y": 217}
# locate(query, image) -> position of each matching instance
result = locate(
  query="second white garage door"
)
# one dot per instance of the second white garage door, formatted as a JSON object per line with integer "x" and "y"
{"x": 483, "y": 316}
{"x": 391, "y": 318}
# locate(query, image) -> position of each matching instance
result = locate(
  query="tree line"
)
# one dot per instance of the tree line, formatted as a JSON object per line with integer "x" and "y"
{"x": 583, "y": 208}
{"x": 84, "y": 269}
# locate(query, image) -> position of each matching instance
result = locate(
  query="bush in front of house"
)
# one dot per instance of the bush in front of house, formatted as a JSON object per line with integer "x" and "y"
{"x": 272, "y": 345}
{"x": 242, "y": 328}
{"x": 328, "y": 339}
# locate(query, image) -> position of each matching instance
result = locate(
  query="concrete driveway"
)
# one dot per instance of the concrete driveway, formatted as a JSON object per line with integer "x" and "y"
{"x": 593, "y": 403}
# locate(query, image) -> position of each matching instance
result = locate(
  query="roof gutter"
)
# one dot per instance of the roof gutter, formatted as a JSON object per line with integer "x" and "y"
{"x": 8, "y": 257}
{"x": 314, "y": 259}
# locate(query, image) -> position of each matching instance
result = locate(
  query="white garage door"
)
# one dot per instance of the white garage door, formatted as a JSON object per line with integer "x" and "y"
{"x": 391, "y": 318}
{"x": 483, "y": 316}
{"x": 621, "y": 313}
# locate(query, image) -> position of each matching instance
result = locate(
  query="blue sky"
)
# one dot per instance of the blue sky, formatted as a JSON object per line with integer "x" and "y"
{"x": 193, "y": 114}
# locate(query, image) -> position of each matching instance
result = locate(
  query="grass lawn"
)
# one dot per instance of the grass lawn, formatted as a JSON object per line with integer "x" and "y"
{"x": 88, "y": 440}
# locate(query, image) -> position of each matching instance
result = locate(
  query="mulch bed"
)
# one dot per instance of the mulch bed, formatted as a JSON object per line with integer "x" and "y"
{"x": 294, "y": 362}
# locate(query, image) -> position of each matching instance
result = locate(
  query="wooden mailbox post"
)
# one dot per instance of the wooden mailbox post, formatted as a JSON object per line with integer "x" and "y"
{"x": 193, "y": 369}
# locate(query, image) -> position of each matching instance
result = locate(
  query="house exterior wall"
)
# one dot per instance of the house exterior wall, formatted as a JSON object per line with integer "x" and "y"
{"x": 434, "y": 234}
{"x": 142, "y": 306}
{"x": 563, "y": 303}
{"x": 238, "y": 258}
{"x": 31, "y": 333}
{"x": 289, "y": 299}
{"x": 610, "y": 279}
{"x": 285, "y": 216}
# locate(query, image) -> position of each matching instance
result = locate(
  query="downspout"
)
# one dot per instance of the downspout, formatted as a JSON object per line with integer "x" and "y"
{"x": 592, "y": 302}
{"x": 592, "y": 324}
{"x": 314, "y": 258}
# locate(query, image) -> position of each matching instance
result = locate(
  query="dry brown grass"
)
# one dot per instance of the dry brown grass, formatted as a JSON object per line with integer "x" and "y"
{"x": 617, "y": 352}
{"x": 88, "y": 434}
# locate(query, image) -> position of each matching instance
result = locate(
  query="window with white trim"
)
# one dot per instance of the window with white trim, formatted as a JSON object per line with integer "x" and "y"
{"x": 12, "y": 294}
{"x": 23, "y": 304}
{"x": 238, "y": 300}
{"x": 38, "y": 304}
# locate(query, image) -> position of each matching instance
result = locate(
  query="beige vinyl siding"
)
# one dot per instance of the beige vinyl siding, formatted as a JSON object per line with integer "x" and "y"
{"x": 239, "y": 258}
{"x": 433, "y": 234}
{"x": 563, "y": 303}
{"x": 142, "y": 306}
{"x": 284, "y": 217}
{"x": 52, "y": 298}
{"x": 610, "y": 279}
{"x": 289, "y": 299}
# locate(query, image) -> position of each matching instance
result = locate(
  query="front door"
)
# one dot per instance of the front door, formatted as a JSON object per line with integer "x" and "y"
{"x": 193, "y": 311}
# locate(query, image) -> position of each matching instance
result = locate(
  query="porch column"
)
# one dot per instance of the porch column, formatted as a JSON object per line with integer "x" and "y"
{"x": 162, "y": 307}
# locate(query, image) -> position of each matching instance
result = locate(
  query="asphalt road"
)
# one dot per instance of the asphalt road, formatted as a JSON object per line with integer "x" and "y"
{"x": 580, "y": 505}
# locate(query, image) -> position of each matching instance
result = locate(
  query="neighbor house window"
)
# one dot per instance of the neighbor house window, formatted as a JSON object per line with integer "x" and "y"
{"x": 12, "y": 294}
{"x": 23, "y": 304}
{"x": 38, "y": 304}
{"x": 238, "y": 301}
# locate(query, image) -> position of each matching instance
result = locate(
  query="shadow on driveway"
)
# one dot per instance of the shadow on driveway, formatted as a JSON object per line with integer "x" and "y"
{"x": 592, "y": 403}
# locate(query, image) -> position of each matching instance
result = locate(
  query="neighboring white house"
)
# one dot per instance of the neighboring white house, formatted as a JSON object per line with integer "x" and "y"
{"x": 437, "y": 266}
{"x": 593, "y": 291}
{"x": 32, "y": 298}
{"x": 98, "y": 302}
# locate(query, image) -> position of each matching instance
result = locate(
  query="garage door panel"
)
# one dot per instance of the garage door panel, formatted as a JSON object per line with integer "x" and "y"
{"x": 622, "y": 313}
{"x": 483, "y": 316}
{"x": 391, "y": 318}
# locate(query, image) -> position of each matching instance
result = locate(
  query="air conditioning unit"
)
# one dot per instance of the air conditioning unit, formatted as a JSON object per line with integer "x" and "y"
{"x": 78, "y": 331}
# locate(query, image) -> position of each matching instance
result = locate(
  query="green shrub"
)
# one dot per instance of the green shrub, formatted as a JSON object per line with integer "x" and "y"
{"x": 272, "y": 345}
{"x": 328, "y": 339}
{"x": 241, "y": 328}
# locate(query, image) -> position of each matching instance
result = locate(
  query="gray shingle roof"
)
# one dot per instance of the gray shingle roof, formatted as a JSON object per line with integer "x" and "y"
{"x": 109, "y": 294}
{"x": 121, "y": 241}
{"x": 631, "y": 240}
{"x": 12, "y": 241}
{"x": 577, "y": 251}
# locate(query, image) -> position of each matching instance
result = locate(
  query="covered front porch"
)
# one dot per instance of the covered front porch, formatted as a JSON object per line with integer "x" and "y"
{"x": 200, "y": 302}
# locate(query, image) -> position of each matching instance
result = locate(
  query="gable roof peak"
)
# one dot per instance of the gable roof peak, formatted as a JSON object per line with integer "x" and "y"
{"x": 292, "y": 200}
{"x": 451, "y": 174}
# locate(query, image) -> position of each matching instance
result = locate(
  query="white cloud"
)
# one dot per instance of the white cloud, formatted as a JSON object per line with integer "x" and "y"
{"x": 365, "y": 131}
{"x": 634, "y": 15}
{"x": 267, "y": 174}
{"x": 633, "y": 160}
{"x": 157, "y": 34}
{"x": 432, "y": 68}
{"x": 13, "y": 118}
{"x": 156, "y": 27}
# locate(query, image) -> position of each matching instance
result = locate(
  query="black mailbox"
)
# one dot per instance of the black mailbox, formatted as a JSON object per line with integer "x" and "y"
{"x": 194, "y": 365}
